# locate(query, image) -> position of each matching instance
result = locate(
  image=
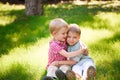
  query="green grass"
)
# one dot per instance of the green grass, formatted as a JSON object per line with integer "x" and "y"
{"x": 24, "y": 39}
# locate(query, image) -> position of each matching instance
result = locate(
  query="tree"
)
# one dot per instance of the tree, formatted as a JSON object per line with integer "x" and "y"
{"x": 34, "y": 7}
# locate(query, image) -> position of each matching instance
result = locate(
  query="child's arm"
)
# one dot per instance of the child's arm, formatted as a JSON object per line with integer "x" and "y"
{"x": 66, "y": 62}
{"x": 72, "y": 54}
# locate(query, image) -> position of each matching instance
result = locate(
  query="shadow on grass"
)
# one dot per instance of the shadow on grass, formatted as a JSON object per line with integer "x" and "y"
{"x": 107, "y": 46}
{"x": 116, "y": 37}
{"x": 24, "y": 30}
{"x": 108, "y": 70}
{"x": 108, "y": 58}
{"x": 81, "y": 13}
{"x": 43, "y": 75}
{"x": 17, "y": 72}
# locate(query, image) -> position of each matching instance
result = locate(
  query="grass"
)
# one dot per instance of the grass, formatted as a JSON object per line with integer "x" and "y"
{"x": 24, "y": 39}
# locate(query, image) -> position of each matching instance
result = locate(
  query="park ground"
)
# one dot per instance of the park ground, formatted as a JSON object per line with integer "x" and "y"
{"x": 24, "y": 40}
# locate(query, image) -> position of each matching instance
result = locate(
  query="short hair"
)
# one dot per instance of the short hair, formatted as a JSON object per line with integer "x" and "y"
{"x": 56, "y": 24}
{"x": 74, "y": 28}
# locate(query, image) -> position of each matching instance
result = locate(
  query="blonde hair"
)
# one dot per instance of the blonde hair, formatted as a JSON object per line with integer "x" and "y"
{"x": 56, "y": 24}
{"x": 74, "y": 28}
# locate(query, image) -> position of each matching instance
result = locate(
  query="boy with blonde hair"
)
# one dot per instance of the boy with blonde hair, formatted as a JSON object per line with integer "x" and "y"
{"x": 84, "y": 66}
{"x": 58, "y": 66}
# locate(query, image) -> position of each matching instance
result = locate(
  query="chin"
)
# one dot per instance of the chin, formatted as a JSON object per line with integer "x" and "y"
{"x": 63, "y": 40}
{"x": 70, "y": 44}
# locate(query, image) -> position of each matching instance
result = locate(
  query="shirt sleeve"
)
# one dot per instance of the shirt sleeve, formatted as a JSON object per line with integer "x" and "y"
{"x": 55, "y": 48}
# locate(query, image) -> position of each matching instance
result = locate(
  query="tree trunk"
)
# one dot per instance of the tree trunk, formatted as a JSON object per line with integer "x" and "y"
{"x": 34, "y": 7}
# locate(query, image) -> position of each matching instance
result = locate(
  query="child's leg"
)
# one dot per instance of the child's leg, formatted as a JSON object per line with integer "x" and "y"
{"x": 70, "y": 75}
{"x": 88, "y": 67}
{"x": 61, "y": 72}
{"x": 65, "y": 68}
{"x": 77, "y": 69}
{"x": 51, "y": 71}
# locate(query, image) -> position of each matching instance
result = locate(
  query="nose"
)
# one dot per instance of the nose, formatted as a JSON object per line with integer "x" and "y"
{"x": 71, "y": 39}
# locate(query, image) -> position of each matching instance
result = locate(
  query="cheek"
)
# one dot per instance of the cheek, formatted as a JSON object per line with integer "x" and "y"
{"x": 68, "y": 39}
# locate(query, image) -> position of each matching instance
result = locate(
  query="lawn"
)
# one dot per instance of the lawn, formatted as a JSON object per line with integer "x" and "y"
{"x": 24, "y": 39}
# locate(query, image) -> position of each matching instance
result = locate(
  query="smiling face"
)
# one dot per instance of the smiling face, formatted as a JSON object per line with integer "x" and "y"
{"x": 72, "y": 38}
{"x": 61, "y": 34}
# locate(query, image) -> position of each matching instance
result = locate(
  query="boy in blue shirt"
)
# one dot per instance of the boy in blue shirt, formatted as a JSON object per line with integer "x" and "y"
{"x": 85, "y": 66}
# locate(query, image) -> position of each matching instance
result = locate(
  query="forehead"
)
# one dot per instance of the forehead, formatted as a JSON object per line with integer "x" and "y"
{"x": 70, "y": 33}
{"x": 64, "y": 29}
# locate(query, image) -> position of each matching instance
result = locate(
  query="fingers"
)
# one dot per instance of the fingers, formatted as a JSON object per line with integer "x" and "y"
{"x": 85, "y": 51}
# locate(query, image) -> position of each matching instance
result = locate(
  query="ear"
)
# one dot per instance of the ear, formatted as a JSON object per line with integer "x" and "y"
{"x": 54, "y": 32}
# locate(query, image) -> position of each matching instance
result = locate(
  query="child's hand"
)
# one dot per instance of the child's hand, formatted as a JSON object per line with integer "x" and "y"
{"x": 55, "y": 63}
{"x": 85, "y": 50}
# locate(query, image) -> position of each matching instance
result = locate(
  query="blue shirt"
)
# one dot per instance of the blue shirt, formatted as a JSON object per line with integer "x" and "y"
{"x": 79, "y": 58}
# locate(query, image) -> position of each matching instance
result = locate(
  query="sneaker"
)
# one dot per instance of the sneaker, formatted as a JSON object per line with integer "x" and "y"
{"x": 48, "y": 78}
{"x": 70, "y": 75}
{"x": 60, "y": 75}
{"x": 91, "y": 73}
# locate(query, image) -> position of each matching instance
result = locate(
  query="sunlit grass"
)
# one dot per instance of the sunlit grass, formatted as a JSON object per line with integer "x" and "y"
{"x": 107, "y": 61}
{"x": 107, "y": 20}
{"x": 91, "y": 36}
{"x": 32, "y": 59}
{"x": 24, "y": 40}
{"x": 4, "y": 11}
{"x": 4, "y": 20}
{"x": 110, "y": 20}
{"x": 8, "y": 7}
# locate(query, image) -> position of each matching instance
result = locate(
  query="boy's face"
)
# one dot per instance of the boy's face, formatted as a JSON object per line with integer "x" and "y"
{"x": 61, "y": 34}
{"x": 72, "y": 38}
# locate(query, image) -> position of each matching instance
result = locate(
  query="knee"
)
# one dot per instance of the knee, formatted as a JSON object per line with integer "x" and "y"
{"x": 52, "y": 68}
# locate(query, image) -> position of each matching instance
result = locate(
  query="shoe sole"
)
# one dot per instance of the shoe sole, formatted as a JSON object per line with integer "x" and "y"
{"x": 70, "y": 75}
{"x": 91, "y": 72}
{"x": 60, "y": 75}
{"x": 47, "y": 78}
